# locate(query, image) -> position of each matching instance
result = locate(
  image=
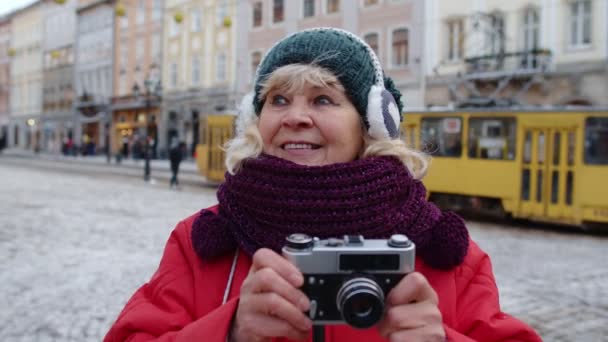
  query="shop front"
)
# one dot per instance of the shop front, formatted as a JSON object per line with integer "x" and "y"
{"x": 134, "y": 127}
{"x": 94, "y": 126}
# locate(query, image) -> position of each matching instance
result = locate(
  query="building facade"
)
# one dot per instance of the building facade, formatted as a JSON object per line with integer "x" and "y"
{"x": 137, "y": 76}
{"x": 390, "y": 27}
{"x": 93, "y": 71}
{"x": 527, "y": 52}
{"x": 58, "y": 119}
{"x": 5, "y": 69}
{"x": 199, "y": 59}
{"x": 26, "y": 77}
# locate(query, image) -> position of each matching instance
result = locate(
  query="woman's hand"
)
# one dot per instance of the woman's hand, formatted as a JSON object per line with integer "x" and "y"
{"x": 270, "y": 304}
{"x": 411, "y": 312}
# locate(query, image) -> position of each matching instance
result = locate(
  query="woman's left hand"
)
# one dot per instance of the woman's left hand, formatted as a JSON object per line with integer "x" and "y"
{"x": 411, "y": 312}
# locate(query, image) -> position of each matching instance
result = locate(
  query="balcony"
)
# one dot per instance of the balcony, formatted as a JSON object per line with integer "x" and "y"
{"x": 515, "y": 64}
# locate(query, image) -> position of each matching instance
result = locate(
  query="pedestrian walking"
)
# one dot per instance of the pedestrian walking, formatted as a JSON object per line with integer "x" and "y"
{"x": 176, "y": 155}
{"x": 317, "y": 151}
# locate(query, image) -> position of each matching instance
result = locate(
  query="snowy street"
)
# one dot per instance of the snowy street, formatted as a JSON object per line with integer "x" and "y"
{"x": 74, "y": 247}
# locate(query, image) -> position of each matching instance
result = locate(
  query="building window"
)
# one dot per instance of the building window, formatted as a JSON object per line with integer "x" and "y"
{"x": 222, "y": 12}
{"x": 372, "y": 40}
{"x": 122, "y": 85}
{"x": 173, "y": 76}
{"x": 531, "y": 29}
{"x": 531, "y": 35}
{"x": 309, "y": 8}
{"x": 157, "y": 9}
{"x": 124, "y": 56}
{"x": 278, "y": 10}
{"x": 400, "y": 47}
{"x": 195, "y": 25}
{"x": 497, "y": 33}
{"x": 580, "y": 23}
{"x": 124, "y": 22}
{"x": 257, "y": 14}
{"x": 333, "y": 6}
{"x": 196, "y": 71}
{"x": 141, "y": 11}
{"x": 455, "y": 40}
{"x": 173, "y": 27}
{"x": 139, "y": 51}
{"x": 220, "y": 75}
{"x": 256, "y": 58}
{"x": 156, "y": 51}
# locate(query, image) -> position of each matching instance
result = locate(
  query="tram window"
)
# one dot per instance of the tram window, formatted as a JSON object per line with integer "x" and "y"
{"x": 492, "y": 138}
{"x": 569, "y": 181}
{"x": 596, "y": 141}
{"x": 539, "y": 186}
{"x": 442, "y": 136}
{"x": 525, "y": 185}
{"x": 556, "y": 147}
{"x": 541, "y": 148}
{"x": 554, "y": 187}
{"x": 528, "y": 148}
{"x": 571, "y": 148}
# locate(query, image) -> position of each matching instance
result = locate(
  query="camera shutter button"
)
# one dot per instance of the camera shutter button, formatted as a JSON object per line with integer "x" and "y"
{"x": 399, "y": 241}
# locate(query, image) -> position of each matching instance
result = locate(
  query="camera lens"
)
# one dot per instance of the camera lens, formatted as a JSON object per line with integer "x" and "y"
{"x": 361, "y": 302}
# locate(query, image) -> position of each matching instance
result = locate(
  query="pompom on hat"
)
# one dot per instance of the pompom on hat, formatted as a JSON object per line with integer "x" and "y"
{"x": 351, "y": 60}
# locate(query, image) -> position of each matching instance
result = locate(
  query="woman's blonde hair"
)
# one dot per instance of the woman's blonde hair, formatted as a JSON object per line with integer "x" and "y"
{"x": 293, "y": 78}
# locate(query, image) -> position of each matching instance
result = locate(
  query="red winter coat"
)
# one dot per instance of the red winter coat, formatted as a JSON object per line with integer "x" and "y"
{"x": 183, "y": 300}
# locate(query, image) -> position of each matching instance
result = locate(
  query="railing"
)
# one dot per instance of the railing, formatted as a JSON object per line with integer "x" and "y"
{"x": 514, "y": 63}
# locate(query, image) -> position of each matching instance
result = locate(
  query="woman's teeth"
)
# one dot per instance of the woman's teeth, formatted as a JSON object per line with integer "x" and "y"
{"x": 299, "y": 146}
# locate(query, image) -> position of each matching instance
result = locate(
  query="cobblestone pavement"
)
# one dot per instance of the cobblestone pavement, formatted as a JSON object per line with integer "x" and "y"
{"x": 75, "y": 247}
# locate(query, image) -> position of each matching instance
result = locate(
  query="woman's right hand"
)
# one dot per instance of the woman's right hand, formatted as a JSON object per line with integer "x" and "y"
{"x": 270, "y": 304}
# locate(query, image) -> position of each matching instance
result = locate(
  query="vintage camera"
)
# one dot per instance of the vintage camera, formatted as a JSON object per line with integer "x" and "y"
{"x": 348, "y": 279}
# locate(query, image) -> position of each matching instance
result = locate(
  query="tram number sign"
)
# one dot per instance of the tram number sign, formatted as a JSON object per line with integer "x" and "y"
{"x": 451, "y": 125}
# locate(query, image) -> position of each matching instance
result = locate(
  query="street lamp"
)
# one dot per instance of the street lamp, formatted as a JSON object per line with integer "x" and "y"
{"x": 151, "y": 93}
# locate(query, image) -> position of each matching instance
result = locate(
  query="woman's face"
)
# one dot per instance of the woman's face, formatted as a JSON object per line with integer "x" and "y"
{"x": 315, "y": 126}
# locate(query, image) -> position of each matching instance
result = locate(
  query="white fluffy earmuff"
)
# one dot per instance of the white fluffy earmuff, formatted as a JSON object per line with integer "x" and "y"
{"x": 246, "y": 114}
{"x": 382, "y": 114}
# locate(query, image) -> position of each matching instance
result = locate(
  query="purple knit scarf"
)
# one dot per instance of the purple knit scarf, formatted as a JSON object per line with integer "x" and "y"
{"x": 270, "y": 198}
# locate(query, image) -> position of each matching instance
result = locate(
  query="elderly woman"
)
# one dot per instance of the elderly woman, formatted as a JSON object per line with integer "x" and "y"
{"x": 317, "y": 151}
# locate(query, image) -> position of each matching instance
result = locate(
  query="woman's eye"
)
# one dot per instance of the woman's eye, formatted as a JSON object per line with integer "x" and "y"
{"x": 278, "y": 100}
{"x": 323, "y": 100}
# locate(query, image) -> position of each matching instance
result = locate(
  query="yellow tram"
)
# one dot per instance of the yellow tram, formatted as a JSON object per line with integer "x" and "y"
{"x": 549, "y": 166}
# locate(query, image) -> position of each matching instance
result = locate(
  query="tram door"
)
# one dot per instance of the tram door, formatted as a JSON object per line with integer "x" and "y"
{"x": 547, "y": 174}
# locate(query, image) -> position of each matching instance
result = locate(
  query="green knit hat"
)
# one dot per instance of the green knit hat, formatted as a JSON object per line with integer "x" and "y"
{"x": 352, "y": 61}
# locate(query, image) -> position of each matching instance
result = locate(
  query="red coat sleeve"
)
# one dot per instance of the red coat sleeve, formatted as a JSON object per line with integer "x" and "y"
{"x": 164, "y": 308}
{"x": 478, "y": 315}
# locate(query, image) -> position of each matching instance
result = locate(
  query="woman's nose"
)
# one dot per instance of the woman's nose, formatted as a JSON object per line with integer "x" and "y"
{"x": 298, "y": 115}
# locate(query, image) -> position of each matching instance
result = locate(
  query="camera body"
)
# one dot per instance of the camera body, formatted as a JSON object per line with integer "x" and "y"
{"x": 348, "y": 279}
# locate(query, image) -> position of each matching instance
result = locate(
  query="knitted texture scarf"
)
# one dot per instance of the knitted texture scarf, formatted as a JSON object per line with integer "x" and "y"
{"x": 270, "y": 198}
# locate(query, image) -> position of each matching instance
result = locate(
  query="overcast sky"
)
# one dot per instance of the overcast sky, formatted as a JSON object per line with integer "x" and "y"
{"x": 7, "y": 6}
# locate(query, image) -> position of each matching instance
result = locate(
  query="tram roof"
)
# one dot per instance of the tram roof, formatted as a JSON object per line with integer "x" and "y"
{"x": 545, "y": 110}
